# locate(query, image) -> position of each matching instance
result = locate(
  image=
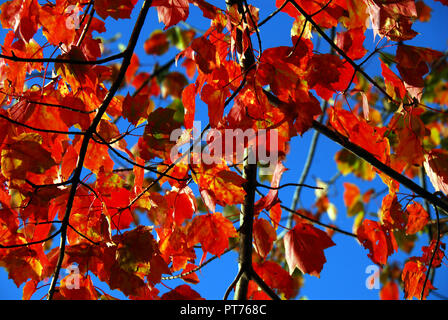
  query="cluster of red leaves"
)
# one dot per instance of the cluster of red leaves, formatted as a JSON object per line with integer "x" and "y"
{"x": 414, "y": 271}
{"x": 39, "y": 153}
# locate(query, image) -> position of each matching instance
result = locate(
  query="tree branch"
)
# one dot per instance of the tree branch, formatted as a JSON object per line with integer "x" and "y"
{"x": 31, "y": 242}
{"x": 246, "y": 61}
{"x": 370, "y": 158}
{"x": 40, "y": 129}
{"x": 288, "y": 185}
{"x": 64, "y": 61}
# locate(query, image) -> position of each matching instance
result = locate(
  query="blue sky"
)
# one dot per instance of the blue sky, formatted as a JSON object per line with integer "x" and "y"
{"x": 344, "y": 275}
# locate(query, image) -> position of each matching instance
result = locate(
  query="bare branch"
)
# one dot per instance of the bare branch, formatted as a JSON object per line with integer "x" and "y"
{"x": 40, "y": 129}
{"x": 370, "y": 158}
{"x": 64, "y": 61}
{"x": 32, "y": 242}
{"x": 288, "y": 185}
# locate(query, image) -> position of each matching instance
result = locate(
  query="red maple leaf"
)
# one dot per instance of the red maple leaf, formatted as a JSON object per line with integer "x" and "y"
{"x": 182, "y": 292}
{"x": 212, "y": 231}
{"x": 379, "y": 240}
{"x": 417, "y": 218}
{"x": 390, "y": 291}
{"x": 413, "y": 276}
{"x": 304, "y": 249}
{"x": 117, "y": 9}
{"x": 264, "y": 236}
{"x": 172, "y": 11}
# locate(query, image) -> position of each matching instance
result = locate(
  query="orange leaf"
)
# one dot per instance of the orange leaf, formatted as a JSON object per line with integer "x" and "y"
{"x": 174, "y": 245}
{"x": 219, "y": 185}
{"x": 417, "y": 218}
{"x": 351, "y": 42}
{"x": 392, "y": 215}
{"x": 117, "y": 9}
{"x": 22, "y": 264}
{"x": 157, "y": 43}
{"x": 22, "y": 16}
{"x": 56, "y": 25}
{"x": 212, "y": 231}
{"x": 275, "y": 214}
{"x": 304, "y": 249}
{"x": 192, "y": 277}
{"x": 428, "y": 252}
{"x": 183, "y": 202}
{"x": 326, "y": 18}
{"x": 351, "y": 194}
{"x": 361, "y": 133}
{"x": 264, "y": 236}
{"x": 377, "y": 239}
{"x": 171, "y": 11}
{"x": 182, "y": 292}
{"x": 189, "y": 102}
{"x": 97, "y": 156}
{"x": 137, "y": 108}
{"x": 393, "y": 19}
{"x": 95, "y": 226}
{"x": 423, "y": 11}
{"x": 272, "y": 197}
{"x": 215, "y": 98}
{"x": 390, "y": 291}
{"x": 276, "y": 278}
{"x": 394, "y": 85}
{"x": 413, "y": 276}
{"x": 24, "y": 154}
{"x": 77, "y": 287}
{"x": 328, "y": 74}
{"x": 29, "y": 289}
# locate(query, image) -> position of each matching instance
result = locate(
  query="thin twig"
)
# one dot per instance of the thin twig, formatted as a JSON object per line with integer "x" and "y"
{"x": 64, "y": 61}
{"x": 83, "y": 236}
{"x": 86, "y": 27}
{"x": 233, "y": 284}
{"x": 40, "y": 129}
{"x": 31, "y": 242}
{"x": 184, "y": 274}
{"x": 273, "y": 14}
{"x": 288, "y": 185}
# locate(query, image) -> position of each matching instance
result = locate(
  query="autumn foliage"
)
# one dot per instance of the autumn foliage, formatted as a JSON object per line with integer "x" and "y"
{"x": 88, "y": 177}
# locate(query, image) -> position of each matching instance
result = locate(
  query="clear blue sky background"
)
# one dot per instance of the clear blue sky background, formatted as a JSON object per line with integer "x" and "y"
{"x": 344, "y": 275}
